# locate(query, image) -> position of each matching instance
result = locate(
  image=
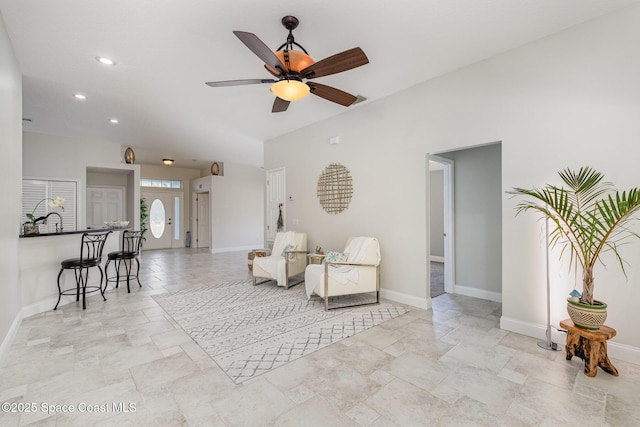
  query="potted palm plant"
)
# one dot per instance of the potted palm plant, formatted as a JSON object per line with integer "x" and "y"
{"x": 144, "y": 216}
{"x": 587, "y": 218}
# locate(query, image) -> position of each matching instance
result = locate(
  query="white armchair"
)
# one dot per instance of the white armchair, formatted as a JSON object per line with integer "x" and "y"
{"x": 359, "y": 273}
{"x": 288, "y": 258}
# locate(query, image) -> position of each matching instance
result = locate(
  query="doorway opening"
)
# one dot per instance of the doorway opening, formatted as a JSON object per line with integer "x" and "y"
{"x": 441, "y": 221}
{"x": 472, "y": 234}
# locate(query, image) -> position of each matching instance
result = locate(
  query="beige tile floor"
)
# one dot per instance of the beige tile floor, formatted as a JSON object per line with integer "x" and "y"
{"x": 124, "y": 362}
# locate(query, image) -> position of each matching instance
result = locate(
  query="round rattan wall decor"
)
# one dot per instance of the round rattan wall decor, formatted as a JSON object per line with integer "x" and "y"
{"x": 335, "y": 188}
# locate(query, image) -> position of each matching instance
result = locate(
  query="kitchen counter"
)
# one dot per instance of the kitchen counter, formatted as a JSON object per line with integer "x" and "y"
{"x": 40, "y": 257}
{"x": 63, "y": 233}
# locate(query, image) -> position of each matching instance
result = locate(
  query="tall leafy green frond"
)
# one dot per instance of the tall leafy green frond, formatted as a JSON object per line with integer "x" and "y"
{"x": 588, "y": 217}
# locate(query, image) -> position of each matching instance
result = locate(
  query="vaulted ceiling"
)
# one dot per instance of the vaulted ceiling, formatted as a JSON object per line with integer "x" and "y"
{"x": 166, "y": 50}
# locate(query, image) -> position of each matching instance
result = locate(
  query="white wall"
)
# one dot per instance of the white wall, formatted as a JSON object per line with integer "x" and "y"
{"x": 237, "y": 208}
{"x": 50, "y": 156}
{"x": 389, "y": 190}
{"x": 11, "y": 206}
{"x": 566, "y": 100}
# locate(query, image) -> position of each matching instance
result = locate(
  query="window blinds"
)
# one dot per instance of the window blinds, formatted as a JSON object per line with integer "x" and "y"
{"x": 33, "y": 191}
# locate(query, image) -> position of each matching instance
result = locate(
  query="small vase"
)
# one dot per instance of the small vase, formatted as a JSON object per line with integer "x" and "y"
{"x": 129, "y": 156}
{"x": 30, "y": 229}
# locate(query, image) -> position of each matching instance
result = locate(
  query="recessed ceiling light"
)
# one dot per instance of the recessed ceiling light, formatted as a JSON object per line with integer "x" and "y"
{"x": 104, "y": 60}
{"x": 114, "y": 121}
{"x": 79, "y": 96}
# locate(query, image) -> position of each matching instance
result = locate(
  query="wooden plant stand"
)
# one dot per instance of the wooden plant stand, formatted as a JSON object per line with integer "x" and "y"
{"x": 590, "y": 346}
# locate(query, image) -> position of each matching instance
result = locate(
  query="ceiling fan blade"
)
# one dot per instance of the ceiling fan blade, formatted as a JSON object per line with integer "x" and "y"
{"x": 261, "y": 50}
{"x": 280, "y": 105}
{"x": 337, "y": 63}
{"x": 240, "y": 82}
{"x": 332, "y": 94}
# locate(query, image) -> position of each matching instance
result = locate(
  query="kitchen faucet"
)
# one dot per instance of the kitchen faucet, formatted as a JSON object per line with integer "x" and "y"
{"x": 44, "y": 220}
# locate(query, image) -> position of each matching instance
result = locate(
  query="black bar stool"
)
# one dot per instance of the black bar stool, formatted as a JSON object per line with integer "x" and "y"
{"x": 130, "y": 249}
{"x": 90, "y": 256}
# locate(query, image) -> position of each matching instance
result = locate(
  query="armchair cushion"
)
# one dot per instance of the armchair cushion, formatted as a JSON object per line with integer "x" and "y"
{"x": 288, "y": 258}
{"x": 347, "y": 278}
{"x": 332, "y": 256}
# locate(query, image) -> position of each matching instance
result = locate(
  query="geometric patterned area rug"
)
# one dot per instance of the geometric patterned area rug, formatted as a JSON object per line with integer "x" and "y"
{"x": 248, "y": 330}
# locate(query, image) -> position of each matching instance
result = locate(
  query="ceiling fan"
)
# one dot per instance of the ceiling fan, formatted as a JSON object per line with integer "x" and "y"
{"x": 293, "y": 68}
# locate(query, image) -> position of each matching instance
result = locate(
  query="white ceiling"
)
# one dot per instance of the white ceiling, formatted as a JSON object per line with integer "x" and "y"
{"x": 167, "y": 49}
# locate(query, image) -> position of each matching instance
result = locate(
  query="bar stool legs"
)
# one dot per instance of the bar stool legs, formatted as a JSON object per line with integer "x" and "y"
{"x": 129, "y": 251}
{"x": 128, "y": 268}
{"x": 90, "y": 256}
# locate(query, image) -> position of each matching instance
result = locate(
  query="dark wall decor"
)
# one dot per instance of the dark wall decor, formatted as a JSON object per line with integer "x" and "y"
{"x": 217, "y": 168}
{"x": 129, "y": 156}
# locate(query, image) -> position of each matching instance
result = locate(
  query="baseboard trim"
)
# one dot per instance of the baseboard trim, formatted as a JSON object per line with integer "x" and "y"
{"x": 436, "y": 258}
{"x": 423, "y": 303}
{"x": 615, "y": 350}
{"x": 477, "y": 293}
{"x": 233, "y": 249}
{"x": 45, "y": 305}
{"x": 39, "y": 307}
{"x": 8, "y": 339}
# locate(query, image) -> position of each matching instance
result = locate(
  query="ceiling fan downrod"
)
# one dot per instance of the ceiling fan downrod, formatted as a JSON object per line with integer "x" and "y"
{"x": 290, "y": 23}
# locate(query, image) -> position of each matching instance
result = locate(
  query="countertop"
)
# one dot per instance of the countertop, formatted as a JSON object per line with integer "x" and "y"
{"x": 64, "y": 233}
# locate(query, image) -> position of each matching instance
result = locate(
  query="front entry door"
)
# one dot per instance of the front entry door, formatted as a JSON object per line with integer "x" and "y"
{"x": 164, "y": 220}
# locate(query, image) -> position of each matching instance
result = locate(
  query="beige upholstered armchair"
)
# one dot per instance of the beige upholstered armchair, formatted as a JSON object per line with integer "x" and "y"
{"x": 287, "y": 258}
{"x": 354, "y": 271}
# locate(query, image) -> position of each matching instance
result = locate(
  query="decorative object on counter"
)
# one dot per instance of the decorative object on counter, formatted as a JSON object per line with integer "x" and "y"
{"x": 31, "y": 227}
{"x": 129, "y": 156}
{"x": 116, "y": 223}
{"x": 335, "y": 188}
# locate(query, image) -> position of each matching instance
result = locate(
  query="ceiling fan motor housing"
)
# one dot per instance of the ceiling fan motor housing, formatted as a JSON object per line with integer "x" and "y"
{"x": 290, "y": 22}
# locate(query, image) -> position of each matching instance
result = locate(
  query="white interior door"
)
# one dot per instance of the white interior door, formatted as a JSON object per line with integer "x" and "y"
{"x": 275, "y": 201}
{"x": 202, "y": 221}
{"x": 165, "y": 213}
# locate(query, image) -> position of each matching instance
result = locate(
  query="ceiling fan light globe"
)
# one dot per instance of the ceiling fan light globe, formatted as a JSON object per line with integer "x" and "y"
{"x": 290, "y": 90}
